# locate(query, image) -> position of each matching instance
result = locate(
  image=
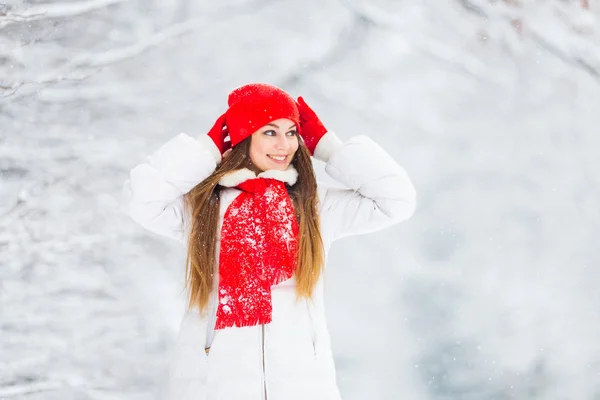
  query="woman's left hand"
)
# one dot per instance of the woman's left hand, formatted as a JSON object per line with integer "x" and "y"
{"x": 311, "y": 127}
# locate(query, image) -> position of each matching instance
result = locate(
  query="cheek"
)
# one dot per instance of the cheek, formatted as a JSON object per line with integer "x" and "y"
{"x": 256, "y": 148}
{"x": 254, "y": 154}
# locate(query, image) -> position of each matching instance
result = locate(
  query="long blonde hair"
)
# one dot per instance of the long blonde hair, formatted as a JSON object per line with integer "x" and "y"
{"x": 202, "y": 204}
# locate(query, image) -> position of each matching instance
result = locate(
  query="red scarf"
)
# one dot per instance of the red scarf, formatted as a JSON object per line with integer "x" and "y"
{"x": 258, "y": 250}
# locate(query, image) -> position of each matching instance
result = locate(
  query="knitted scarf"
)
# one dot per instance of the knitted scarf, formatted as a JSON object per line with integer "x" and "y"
{"x": 259, "y": 240}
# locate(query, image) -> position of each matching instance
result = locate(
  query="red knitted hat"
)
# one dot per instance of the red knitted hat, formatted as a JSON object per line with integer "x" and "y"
{"x": 255, "y": 105}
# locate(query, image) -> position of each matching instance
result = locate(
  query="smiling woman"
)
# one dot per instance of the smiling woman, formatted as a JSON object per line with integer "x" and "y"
{"x": 258, "y": 227}
{"x": 274, "y": 145}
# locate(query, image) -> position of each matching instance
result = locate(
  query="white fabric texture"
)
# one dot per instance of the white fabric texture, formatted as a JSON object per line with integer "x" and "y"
{"x": 291, "y": 357}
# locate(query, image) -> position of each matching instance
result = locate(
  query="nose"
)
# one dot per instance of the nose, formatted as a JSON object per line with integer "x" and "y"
{"x": 282, "y": 143}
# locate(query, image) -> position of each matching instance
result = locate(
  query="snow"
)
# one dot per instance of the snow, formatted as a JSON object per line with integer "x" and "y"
{"x": 488, "y": 291}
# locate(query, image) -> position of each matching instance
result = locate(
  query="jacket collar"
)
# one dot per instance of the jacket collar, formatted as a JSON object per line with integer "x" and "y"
{"x": 234, "y": 178}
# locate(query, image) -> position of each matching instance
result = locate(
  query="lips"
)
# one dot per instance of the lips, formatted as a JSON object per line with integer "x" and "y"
{"x": 277, "y": 159}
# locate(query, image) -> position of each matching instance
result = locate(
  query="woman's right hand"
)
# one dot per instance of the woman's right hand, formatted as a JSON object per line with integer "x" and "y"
{"x": 218, "y": 133}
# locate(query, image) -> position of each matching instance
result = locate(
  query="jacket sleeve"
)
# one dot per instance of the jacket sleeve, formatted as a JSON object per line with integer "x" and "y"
{"x": 153, "y": 194}
{"x": 378, "y": 192}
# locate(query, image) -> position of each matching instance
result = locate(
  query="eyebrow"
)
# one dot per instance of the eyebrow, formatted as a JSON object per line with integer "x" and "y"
{"x": 276, "y": 126}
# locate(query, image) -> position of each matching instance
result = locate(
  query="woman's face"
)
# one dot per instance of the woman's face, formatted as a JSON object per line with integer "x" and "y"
{"x": 273, "y": 146}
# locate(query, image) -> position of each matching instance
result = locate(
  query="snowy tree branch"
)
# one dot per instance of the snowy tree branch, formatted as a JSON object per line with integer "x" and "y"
{"x": 501, "y": 12}
{"x": 56, "y": 10}
{"x": 84, "y": 62}
{"x": 40, "y": 387}
{"x": 427, "y": 46}
{"x": 20, "y": 390}
{"x": 575, "y": 61}
{"x": 348, "y": 39}
{"x": 95, "y": 60}
{"x": 372, "y": 15}
{"x": 14, "y": 87}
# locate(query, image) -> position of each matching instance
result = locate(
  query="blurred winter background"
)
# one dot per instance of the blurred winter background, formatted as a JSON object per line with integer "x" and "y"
{"x": 493, "y": 107}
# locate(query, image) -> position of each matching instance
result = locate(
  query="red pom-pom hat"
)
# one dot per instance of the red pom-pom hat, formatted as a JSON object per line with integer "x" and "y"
{"x": 255, "y": 105}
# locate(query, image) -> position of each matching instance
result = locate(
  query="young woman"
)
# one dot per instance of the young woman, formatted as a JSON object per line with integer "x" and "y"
{"x": 257, "y": 228}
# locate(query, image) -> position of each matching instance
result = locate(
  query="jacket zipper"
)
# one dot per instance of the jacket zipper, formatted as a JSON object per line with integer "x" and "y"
{"x": 262, "y": 359}
{"x": 210, "y": 328}
{"x": 312, "y": 328}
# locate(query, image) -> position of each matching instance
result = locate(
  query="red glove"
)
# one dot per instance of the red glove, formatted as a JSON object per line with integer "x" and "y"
{"x": 218, "y": 133}
{"x": 311, "y": 127}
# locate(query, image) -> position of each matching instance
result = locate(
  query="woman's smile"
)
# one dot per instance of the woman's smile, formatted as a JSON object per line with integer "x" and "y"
{"x": 278, "y": 159}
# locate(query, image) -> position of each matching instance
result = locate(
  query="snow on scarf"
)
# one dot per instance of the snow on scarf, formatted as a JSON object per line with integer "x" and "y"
{"x": 258, "y": 249}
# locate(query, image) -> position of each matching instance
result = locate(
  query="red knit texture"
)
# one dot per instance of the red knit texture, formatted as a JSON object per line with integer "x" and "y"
{"x": 312, "y": 127}
{"x": 254, "y": 105}
{"x": 259, "y": 240}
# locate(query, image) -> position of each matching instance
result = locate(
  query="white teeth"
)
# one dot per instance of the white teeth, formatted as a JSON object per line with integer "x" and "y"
{"x": 278, "y": 158}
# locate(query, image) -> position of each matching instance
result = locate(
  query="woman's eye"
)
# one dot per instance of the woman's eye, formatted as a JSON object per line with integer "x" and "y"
{"x": 273, "y": 133}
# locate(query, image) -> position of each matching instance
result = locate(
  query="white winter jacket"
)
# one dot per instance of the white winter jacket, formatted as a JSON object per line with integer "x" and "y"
{"x": 291, "y": 357}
